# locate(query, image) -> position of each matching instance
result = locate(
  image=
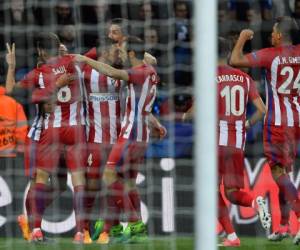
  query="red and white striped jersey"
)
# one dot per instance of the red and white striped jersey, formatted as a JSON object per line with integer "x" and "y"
{"x": 69, "y": 110}
{"x": 139, "y": 101}
{"x": 282, "y": 65}
{"x": 33, "y": 80}
{"x": 103, "y": 106}
{"x": 234, "y": 87}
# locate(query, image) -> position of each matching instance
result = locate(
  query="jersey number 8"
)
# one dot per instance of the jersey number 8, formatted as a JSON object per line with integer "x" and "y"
{"x": 64, "y": 94}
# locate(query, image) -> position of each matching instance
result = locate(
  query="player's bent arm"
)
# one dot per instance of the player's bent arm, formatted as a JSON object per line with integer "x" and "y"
{"x": 104, "y": 68}
{"x": 45, "y": 94}
{"x": 237, "y": 58}
{"x": 258, "y": 115}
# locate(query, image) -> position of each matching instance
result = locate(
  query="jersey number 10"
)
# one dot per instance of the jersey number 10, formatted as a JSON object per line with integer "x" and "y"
{"x": 231, "y": 105}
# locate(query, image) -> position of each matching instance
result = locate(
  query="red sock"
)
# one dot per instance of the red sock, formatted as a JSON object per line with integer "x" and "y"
{"x": 29, "y": 204}
{"x": 40, "y": 195}
{"x": 89, "y": 201}
{"x": 240, "y": 198}
{"x": 78, "y": 200}
{"x": 112, "y": 214}
{"x": 135, "y": 200}
{"x": 224, "y": 216}
{"x": 284, "y": 209}
{"x": 123, "y": 201}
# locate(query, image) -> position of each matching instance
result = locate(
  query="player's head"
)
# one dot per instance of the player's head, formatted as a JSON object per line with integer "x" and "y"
{"x": 117, "y": 30}
{"x": 47, "y": 45}
{"x": 224, "y": 48}
{"x": 135, "y": 48}
{"x": 283, "y": 30}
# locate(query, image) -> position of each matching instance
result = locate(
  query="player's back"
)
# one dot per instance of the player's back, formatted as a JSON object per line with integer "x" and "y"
{"x": 282, "y": 66}
{"x": 69, "y": 109}
{"x": 234, "y": 88}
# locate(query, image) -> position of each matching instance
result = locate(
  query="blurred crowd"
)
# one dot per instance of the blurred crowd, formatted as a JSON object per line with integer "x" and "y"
{"x": 165, "y": 26}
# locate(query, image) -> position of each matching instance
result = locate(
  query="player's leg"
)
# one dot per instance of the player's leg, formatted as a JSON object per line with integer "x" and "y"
{"x": 48, "y": 153}
{"x": 136, "y": 230}
{"x": 223, "y": 217}
{"x": 117, "y": 197}
{"x": 96, "y": 160}
{"x": 25, "y": 219}
{"x": 279, "y": 148}
{"x": 76, "y": 159}
{"x": 234, "y": 183}
{"x": 40, "y": 196}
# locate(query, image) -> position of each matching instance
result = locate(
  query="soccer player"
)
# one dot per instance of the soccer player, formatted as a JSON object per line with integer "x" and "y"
{"x": 63, "y": 131}
{"x": 234, "y": 89}
{"x": 104, "y": 113}
{"x": 33, "y": 136}
{"x": 281, "y": 125}
{"x": 128, "y": 152}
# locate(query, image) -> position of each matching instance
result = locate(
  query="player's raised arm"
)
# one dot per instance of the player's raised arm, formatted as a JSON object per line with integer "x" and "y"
{"x": 11, "y": 62}
{"x": 238, "y": 58}
{"x": 103, "y": 68}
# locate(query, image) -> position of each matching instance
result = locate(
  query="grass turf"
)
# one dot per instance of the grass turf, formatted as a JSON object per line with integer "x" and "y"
{"x": 251, "y": 243}
{"x": 157, "y": 243}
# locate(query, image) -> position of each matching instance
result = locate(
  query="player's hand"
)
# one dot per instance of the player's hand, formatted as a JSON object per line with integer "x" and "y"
{"x": 246, "y": 34}
{"x": 65, "y": 79}
{"x": 162, "y": 132}
{"x": 11, "y": 55}
{"x": 149, "y": 59}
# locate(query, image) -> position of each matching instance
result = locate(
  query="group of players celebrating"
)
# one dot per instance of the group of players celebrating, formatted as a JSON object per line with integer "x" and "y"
{"x": 78, "y": 128}
{"x": 281, "y": 124}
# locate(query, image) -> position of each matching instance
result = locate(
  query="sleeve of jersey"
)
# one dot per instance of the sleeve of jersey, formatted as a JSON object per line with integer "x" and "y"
{"x": 29, "y": 80}
{"x": 260, "y": 58}
{"x": 136, "y": 76}
{"x": 42, "y": 95}
{"x": 92, "y": 53}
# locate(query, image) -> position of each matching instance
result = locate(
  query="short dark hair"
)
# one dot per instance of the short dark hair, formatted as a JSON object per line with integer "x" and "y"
{"x": 49, "y": 42}
{"x": 287, "y": 26}
{"x": 224, "y": 47}
{"x": 123, "y": 23}
{"x": 137, "y": 45}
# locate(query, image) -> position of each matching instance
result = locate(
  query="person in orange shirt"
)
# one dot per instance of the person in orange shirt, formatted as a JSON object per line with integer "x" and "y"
{"x": 13, "y": 126}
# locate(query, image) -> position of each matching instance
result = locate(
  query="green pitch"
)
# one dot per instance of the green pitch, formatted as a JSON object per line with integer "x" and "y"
{"x": 161, "y": 243}
{"x": 157, "y": 243}
{"x": 248, "y": 243}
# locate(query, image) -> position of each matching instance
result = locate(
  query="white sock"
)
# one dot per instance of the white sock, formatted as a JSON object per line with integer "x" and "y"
{"x": 36, "y": 229}
{"x": 232, "y": 236}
